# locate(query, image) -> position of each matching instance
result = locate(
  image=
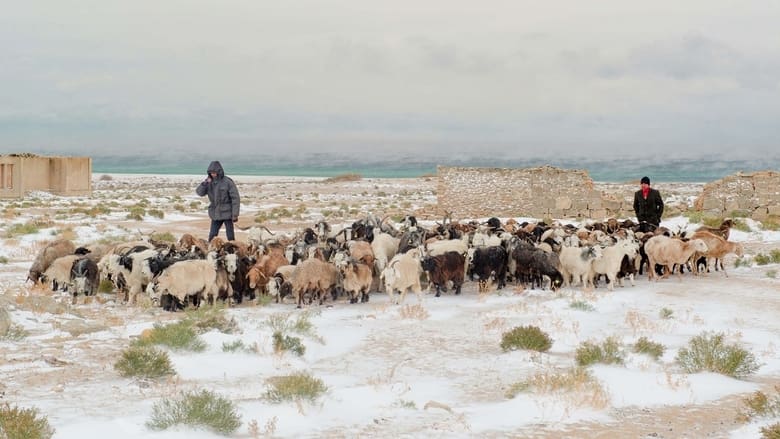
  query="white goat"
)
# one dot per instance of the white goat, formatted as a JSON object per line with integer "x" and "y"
{"x": 612, "y": 257}
{"x": 576, "y": 263}
{"x": 403, "y": 273}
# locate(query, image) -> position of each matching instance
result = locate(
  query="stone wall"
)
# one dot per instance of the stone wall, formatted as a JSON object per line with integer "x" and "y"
{"x": 755, "y": 194}
{"x": 542, "y": 192}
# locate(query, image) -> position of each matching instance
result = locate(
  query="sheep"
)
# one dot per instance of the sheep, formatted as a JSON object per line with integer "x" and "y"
{"x": 612, "y": 257}
{"x": 265, "y": 267}
{"x": 356, "y": 279}
{"x": 402, "y": 273}
{"x": 315, "y": 278}
{"x": 717, "y": 248}
{"x": 361, "y": 251}
{"x": 47, "y": 255}
{"x": 59, "y": 273}
{"x": 667, "y": 251}
{"x": 194, "y": 277}
{"x": 576, "y": 264}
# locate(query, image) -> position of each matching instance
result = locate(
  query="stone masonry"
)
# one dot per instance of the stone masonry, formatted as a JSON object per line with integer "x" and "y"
{"x": 542, "y": 192}
{"x": 755, "y": 194}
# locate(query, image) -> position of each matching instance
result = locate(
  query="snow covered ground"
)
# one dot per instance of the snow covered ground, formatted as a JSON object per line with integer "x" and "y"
{"x": 390, "y": 374}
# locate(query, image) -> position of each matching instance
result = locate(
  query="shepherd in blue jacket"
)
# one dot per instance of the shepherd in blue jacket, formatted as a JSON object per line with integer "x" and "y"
{"x": 224, "y": 202}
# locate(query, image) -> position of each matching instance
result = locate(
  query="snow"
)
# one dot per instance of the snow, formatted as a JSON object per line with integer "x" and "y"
{"x": 441, "y": 376}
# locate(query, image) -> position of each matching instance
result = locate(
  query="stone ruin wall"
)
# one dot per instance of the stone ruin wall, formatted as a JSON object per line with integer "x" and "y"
{"x": 755, "y": 195}
{"x": 550, "y": 192}
{"x": 542, "y": 192}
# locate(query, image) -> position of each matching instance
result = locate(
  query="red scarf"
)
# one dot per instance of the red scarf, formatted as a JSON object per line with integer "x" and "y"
{"x": 645, "y": 192}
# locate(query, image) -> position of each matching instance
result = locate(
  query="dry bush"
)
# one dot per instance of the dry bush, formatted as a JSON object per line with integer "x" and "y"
{"x": 343, "y": 178}
{"x": 771, "y": 431}
{"x": 576, "y": 385}
{"x": 710, "y": 352}
{"x": 19, "y": 423}
{"x": 417, "y": 312}
{"x": 297, "y": 387}
{"x": 638, "y": 322}
{"x": 608, "y": 352}
{"x": 526, "y": 338}
{"x": 144, "y": 362}
{"x": 204, "y": 408}
{"x": 759, "y": 404}
{"x": 648, "y": 347}
{"x": 180, "y": 335}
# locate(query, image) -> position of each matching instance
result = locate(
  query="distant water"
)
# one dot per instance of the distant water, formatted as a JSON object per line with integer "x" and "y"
{"x": 328, "y": 165}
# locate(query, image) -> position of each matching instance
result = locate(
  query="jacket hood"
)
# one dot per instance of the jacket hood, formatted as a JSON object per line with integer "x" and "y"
{"x": 216, "y": 166}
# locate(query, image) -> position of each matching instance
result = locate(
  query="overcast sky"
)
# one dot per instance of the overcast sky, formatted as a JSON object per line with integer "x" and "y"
{"x": 533, "y": 77}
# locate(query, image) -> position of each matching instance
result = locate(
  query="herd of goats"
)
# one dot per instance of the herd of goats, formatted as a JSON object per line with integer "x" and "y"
{"x": 316, "y": 264}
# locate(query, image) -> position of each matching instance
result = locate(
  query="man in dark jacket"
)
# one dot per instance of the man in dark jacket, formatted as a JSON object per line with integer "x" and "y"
{"x": 648, "y": 204}
{"x": 224, "y": 201}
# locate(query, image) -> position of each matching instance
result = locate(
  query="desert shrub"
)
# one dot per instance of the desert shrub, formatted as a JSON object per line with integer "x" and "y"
{"x": 163, "y": 236}
{"x": 17, "y": 229}
{"x": 4, "y": 260}
{"x": 284, "y": 343}
{"x": 20, "y": 423}
{"x": 665, "y": 313}
{"x": 581, "y": 305}
{"x": 144, "y": 362}
{"x": 343, "y": 178}
{"x": 105, "y": 286}
{"x": 608, "y": 352}
{"x": 741, "y": 225}
{"x": 770, "y": 224}
{"x": 157, "y": 213}
{"x": 712, "y": 221}
{"x": 709, "y": 352}
{"x": 772, "y": 258}
{"x": 14, "y": 333}
{"x": 198, "y": 408}
{"x": 526, "y": 337}
{"x": 180, "y": 335}
{"x": 106, "y": 177}
{"x": 205, "y": 318}
{"x": 234, "y": 346}
{"x": 302, "y": 325}
{"x": 759, "y": 404}
{"x": 694, "y": 216}
{"x": 299, "y": 386}
{"x": 577, "y": 383}
{"x": 415, "y": 312}
{"x": 741, "y": 262}
{"x": 649, "y": 347}
{"x": 771, "y": 273}
{"x": 136, "y": 213}
{"x": 771, "y": 431}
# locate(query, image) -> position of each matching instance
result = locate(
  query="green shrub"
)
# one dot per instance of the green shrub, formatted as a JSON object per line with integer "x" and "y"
{"x": 203, "y": 409}
{"x": 581, "y": 305}
{"x": 284, "y": 343}
{"x": 144, "y": 362}
{"x": 302, "y": 325}
{"x": 180, "y": 335}
{"x": 712, "y": 221}
{"x": 741, "y": 225}
{"x": 741, "y": 262}
{"x": 136, "y": 213}
{"x": 770, "y": 224}
{"x": 296, "y": 387}
{"x": 14, "y": 333}
{"x": 163, "y": 236}
{"x": 205, "y": 318}
{"x": 771, "y": 273}
{"x": 771, "y": 431}
{"x": 105, "y": 286}
{"x": 234, "y": 346}
{"x": 526, "y": 337}
{"x": 665, "y": 313}
{"x": 4, "y": 260}
{"x": 649, "y": 347}
{"x": 709, "y": 352}
{"x": 694, "y": 216}
{"x": 608, "y": 352}
{"x": 759, "y": 404}
{"x": 19, "y": 423}
{"x": 772, "y": 258}
{"x": 157, "y": 213}
{"x": 21, "y": 229}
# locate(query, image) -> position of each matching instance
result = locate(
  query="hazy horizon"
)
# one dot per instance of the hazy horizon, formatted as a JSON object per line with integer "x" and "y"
{"x": 498, "y": 78}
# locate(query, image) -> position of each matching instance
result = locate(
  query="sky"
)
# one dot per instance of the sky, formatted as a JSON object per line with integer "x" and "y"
{"x": 524, "y": 77}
